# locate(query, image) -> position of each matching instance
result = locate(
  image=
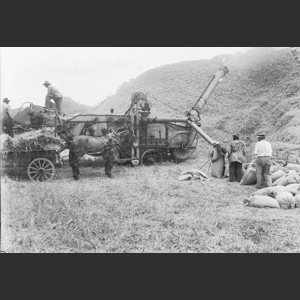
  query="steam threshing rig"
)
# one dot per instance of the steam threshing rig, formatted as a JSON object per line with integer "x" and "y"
{"x": 157, "y": 139}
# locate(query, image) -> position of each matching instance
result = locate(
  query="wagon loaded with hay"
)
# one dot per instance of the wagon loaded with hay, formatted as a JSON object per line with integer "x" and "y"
{"x": 35, "y": 151}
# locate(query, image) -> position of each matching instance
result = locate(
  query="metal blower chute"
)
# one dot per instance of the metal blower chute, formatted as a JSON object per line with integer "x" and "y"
{"x": 194, "y": 114}
{"x": 185, "y": 143}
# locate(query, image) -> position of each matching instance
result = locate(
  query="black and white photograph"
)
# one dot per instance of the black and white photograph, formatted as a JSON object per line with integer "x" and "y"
{"x": 150, "y": 149}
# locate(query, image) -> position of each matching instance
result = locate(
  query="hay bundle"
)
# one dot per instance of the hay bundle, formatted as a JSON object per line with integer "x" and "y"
{"x": 30, "y": 141}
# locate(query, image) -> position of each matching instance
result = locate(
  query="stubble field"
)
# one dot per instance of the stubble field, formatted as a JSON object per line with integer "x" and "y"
{"x": 141, "y": 209}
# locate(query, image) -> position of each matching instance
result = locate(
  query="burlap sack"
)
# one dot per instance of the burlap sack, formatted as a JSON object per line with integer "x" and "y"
{"x": 285, "y": 198}
{"x": 263, "y": 201}
{"x": 249, "y": 177}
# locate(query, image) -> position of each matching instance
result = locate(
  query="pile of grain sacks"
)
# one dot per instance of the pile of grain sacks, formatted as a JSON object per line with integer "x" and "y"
{"x": 285, "y": 190}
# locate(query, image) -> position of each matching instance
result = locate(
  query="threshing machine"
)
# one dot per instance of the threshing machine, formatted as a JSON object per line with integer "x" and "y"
{"x": 157, "y": 139}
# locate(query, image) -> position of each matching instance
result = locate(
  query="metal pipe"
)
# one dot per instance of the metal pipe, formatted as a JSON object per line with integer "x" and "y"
{"x": 155, "y": 120}
{"x": 210, "y": 88}
{"x": 202, "y": 133}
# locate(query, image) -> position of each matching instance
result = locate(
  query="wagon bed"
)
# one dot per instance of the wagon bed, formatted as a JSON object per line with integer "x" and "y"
{"x": 39, "y": 164}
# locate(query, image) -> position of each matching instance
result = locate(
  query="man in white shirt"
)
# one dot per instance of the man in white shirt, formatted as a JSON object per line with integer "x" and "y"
{"x": 6, "y": 118}
{"x": 263, "y": 152}
{"x": 53, "y": 93}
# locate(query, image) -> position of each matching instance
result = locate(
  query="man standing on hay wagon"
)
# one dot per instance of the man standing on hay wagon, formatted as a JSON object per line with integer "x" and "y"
{"x": 53, "y": 93}
{"x": 6, "y": 118}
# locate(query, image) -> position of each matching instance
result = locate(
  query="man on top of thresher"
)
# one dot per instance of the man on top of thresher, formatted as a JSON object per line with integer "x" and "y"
{"x": 53, "y": 93}
{"x": 6, "y": 117}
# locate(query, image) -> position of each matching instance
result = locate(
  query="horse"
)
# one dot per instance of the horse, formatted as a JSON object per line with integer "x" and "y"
{"x": 107, "y": 146}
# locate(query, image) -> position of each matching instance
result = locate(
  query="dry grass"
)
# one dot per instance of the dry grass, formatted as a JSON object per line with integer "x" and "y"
{"x": 143, "y": 209}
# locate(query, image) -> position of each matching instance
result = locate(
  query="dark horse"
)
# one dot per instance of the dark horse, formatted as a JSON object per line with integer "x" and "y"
{"x": 107, "y": 146}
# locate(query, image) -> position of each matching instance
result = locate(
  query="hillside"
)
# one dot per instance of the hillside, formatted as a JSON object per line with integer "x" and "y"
{"x": 69, "y": 107}
{"x": 261, "y": 92}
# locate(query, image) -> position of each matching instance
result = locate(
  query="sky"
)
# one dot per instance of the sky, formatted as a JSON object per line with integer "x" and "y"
{"x": 88, "y": 75}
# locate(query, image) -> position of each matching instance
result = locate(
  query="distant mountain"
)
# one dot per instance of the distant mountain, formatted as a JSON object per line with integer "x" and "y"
{"x": 70, "y": 107}
{"x": 260, "y": 93}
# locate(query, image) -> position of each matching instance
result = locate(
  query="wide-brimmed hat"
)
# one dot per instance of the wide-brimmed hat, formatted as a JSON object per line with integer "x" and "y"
{"x": 236, "y": 135}
{"x": 261, "y": 134}
{"x": 46, "y": 82}
{"x": 6, "y": 100}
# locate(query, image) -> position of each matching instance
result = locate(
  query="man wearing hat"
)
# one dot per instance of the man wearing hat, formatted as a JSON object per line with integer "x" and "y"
{"x": 236, "y": 157}
{"x": 6, "y": 118}
{"x": 53, "y": 93}
{"x": 263, "y": 152}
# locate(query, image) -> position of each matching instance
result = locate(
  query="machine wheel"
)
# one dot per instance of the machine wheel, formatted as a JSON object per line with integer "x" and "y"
{"x": 151, "y": 158}
{"x": 41, "y": 169}
{"x": 179, "y": 145}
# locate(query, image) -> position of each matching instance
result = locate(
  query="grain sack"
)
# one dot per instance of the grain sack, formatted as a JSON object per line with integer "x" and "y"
{"x": 285, "y": 169}
{"x": 286, "y": 180}
{"x": 270, "y": 191}
{"x": 293, "y": 186}
{"x": 276, "y": 175}
{"x": 274, "y": 168}
{"x": 289, "y": 178}
{"x": 294, "y": 172}
{"x": 275, "y": 183}
{"x": 217, "y": 166}
{"x": 285, "y": 199}
{"x": 294, "y": 192}
{"x": 295, "y": 167}
{"x": 263, "y": 201}
{"x": 249, "y": 177}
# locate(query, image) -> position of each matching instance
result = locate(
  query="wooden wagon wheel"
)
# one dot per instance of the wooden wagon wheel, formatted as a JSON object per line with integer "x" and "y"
{"x": 151, "y": 157}
{"x": 41, "y": 169}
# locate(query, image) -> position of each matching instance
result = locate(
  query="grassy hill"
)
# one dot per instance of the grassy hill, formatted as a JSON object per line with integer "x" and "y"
{"x": 69, "y": 107}
{"x": 261, "y": 92}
